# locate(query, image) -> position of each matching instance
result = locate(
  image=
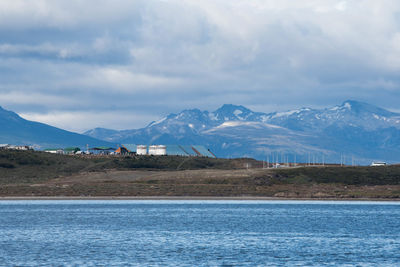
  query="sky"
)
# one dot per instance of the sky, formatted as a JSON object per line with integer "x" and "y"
{"x": 121, "y": 64}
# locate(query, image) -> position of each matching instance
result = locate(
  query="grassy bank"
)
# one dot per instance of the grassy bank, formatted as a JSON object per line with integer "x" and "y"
{"x": 34, "y": 166}
{"x": 41, "y": 174}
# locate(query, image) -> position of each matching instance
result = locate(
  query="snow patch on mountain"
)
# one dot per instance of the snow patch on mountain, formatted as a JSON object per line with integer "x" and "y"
{"x": 347, "y": 105}
{"x": 237, "y": 112}
{"x": 157, "y": 122}
{"x": 287, "y": 113}
{"x": 247, "y": 123}
{"x": 212, "y": 116}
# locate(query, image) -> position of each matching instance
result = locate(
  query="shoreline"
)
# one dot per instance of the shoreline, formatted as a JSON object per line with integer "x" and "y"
{"x": 244, "y": 198}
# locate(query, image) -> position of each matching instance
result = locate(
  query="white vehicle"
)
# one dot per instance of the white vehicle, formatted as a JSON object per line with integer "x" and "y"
{"x": 378, "y": 163}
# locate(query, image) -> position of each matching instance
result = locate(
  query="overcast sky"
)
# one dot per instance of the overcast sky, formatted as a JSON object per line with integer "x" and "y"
{"x": 121, "y": 64}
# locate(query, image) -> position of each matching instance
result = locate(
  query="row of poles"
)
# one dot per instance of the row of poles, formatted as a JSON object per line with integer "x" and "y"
{"x": 274, "y": 160}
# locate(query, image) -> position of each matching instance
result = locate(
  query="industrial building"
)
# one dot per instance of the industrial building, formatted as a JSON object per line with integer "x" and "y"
{"x": 78, "y": 151}
{"x": 170, "y": 150}
{"x": 71, "y": 150}
{"x": 101, "y": 150}
{"x": 14, "y": 147}
{"x": 129, "y": 149}
{"x": 122, "y": 150}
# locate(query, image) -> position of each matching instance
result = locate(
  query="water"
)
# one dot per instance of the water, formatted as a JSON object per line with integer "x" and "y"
{"x": 199, "y": 233}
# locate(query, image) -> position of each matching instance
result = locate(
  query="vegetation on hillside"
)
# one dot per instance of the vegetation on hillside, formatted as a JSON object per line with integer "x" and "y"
{"x": 30, "y": 173}
{"x": 31, "y": 166}
{"x": 384, "y": 175}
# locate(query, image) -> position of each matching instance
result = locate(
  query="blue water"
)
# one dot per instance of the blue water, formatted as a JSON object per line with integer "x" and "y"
{"x": 199, "y": 233}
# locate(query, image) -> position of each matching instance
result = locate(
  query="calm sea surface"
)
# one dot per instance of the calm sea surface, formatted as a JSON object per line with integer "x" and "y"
{"x": 199, "y": 233}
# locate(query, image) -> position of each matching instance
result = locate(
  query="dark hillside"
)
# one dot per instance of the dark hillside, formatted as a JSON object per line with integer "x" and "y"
{"x": 18, "y": 131}
{"x": 388, "y": 175}
{"x": 31, "y": 166}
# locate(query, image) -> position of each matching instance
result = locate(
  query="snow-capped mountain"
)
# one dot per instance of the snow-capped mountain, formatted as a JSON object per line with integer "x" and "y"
{"x": 350, "y": 113}
{"x": 353, "y": 128}
{"x": 236, "y": 113}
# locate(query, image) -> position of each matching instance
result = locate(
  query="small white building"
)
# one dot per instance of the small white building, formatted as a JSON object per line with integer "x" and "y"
{"x": 54, "y": 150}
{"x": 15, "y": 147}
{"x": 23, "y": 148}
{"x": 4, "y": 146}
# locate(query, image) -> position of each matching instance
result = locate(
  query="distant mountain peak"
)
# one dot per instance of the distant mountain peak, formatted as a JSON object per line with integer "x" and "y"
{"x": 355, "y": 102}
{"x": 232, "y": 112}
{"x": 232, "y": 108}
{"x": 347, "y": 105}
{"x": 362, "y": 107}
{"x": 192, "y": 112}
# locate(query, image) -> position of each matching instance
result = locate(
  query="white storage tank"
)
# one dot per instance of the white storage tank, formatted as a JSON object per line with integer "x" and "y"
{"x": 153, "y": 150}
{"x": 161, "y": 150}
{"x": 141, "y": 150}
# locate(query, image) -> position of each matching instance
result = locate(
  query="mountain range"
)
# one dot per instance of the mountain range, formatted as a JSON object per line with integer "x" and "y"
{"x": 353, "y": 132}
{"x": 350, "y": 132}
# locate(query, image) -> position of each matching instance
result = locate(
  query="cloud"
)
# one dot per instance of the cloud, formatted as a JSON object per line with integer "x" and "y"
{"x": 155, "y": 57}
{"x": 80, "y": 121}
{"x": 121, "y": 79}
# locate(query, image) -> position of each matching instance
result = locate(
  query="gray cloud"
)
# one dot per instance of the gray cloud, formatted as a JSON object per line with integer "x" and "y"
{"x": 121, "y": 63}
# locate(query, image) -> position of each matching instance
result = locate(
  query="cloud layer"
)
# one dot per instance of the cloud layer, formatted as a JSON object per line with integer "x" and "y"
{"x": 120, "y": 64}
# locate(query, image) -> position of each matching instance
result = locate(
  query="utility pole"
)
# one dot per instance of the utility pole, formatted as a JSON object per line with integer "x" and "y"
{"x": 273, "y": 159}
